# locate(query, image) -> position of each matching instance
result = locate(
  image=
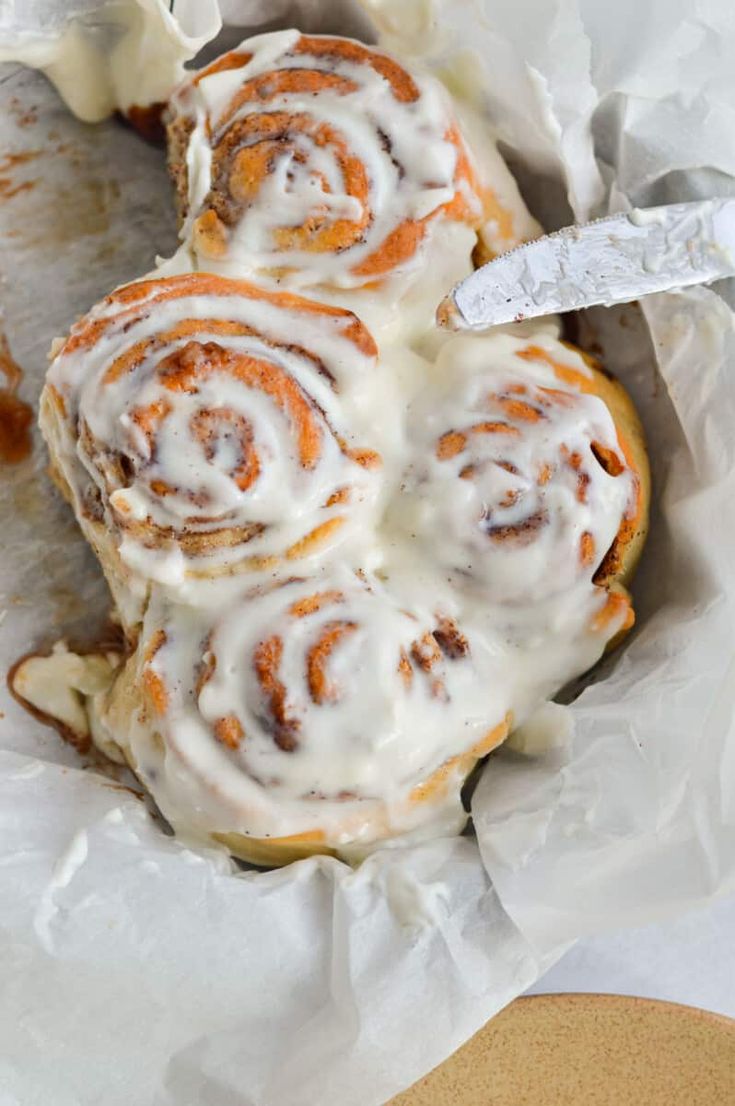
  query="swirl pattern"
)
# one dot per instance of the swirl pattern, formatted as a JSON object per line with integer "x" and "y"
{"x": 215, "y": 438}
{"x": 319, "y": 156}
{"x": 528, "y": 488}
{"x": 341, "y": 577}
{"x": 296, "y": 704}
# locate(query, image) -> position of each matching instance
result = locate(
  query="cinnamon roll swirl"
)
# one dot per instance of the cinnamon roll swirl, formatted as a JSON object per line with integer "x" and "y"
{"x": 530, "y": 480}
{"x": 320, "y": 159}
{"x": 342, "y": 578}
{"x": 202, "y": 426}
{"x": 313, "y": 715}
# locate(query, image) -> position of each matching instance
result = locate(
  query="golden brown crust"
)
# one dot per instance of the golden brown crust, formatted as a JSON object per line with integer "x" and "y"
{"x": 274, "y": 852}
{"x": 52, "y": 420}
{"x": 132, "y": 696}
{"x": 616, "y": 571}
{"x": 618, "y": 567}
{"x": 630, "y": 435}
{"x": 178, "y": 132}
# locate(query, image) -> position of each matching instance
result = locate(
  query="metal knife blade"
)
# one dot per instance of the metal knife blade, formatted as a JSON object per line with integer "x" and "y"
{"x": 613, "y": 260}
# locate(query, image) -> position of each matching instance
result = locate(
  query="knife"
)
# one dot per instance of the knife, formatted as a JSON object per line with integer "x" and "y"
{"x": 612, "y": 260}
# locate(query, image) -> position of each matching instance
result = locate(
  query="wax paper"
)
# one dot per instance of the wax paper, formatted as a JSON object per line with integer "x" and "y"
{"x": 136, "y": 969}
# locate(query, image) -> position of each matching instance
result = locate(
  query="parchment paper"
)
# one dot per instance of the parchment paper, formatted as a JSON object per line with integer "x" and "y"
{"x": 135, "y": 970}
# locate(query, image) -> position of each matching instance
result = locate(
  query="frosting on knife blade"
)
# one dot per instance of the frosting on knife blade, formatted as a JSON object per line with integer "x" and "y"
{"x": 612, "y": 260}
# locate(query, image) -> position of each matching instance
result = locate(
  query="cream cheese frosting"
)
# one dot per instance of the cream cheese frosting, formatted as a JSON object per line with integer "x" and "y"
{"x": 332, "y": 156}
{"x": 121, "y": 55}
{"x": 349, "y": 550}
{"x": 318, "y": 164}
{"x": 309, "y": 702}
{"x": 214, "y": 421}
{"x": 505, "y": 486}
{"x": 347, "y": 694}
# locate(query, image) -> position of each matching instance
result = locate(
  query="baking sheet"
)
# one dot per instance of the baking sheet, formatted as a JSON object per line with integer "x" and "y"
{"x": 143, "y": 971}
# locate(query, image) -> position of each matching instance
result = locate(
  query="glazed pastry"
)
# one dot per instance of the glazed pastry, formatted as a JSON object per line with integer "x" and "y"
{"x": 326, "y": 162}
{"x": 281, "y": 697}
{"x": 309, "y": 715}
{"x": 331, "y": 712}
{"x": 343, "y": 577}
{"x": 201, "y": 426}
{"x": 529, "y": 484}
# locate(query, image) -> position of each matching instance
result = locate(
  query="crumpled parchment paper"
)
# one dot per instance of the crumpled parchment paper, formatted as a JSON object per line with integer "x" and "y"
{"x": 138, "y": 971}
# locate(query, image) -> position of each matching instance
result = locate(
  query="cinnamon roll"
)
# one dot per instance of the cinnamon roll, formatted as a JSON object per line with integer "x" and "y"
{"x": 202, "y": 426}
{"x": 529, "y": 483}
{"x": 342, "y": 577}
{"x": 325, "y": 161}
{"x": 311, "y": 715}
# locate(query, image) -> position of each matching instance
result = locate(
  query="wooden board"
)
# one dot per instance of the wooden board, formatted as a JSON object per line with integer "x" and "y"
{"x": 588, "y": 1050}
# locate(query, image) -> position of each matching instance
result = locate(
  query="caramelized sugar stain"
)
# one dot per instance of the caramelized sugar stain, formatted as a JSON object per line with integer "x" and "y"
{"x": 9, "y": 187}
{"x": 81, "y": 208}
{"x": 23, "y": 115}
{"x": 15, "y": 415}
{"x": 147, "y": 121}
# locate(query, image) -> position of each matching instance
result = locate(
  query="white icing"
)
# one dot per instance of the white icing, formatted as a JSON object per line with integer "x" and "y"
{"x": 526, "y": 609}
{"x": 442, "y": 615}
{"x": 527, "y": 616}
{"x": 400, "y": 311}
{"x": 492, "y": 171}
{"x": 505, "y": 505}
{"x": 131, "y": 53}
{"x": 402, "y": 147}
{"x": 527, "y": 612}
{"x": 223, "y": 450}
{"x": 376, "y": 730}
{"x": 550, "y": 727}
{"x": 646, "y": 217}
